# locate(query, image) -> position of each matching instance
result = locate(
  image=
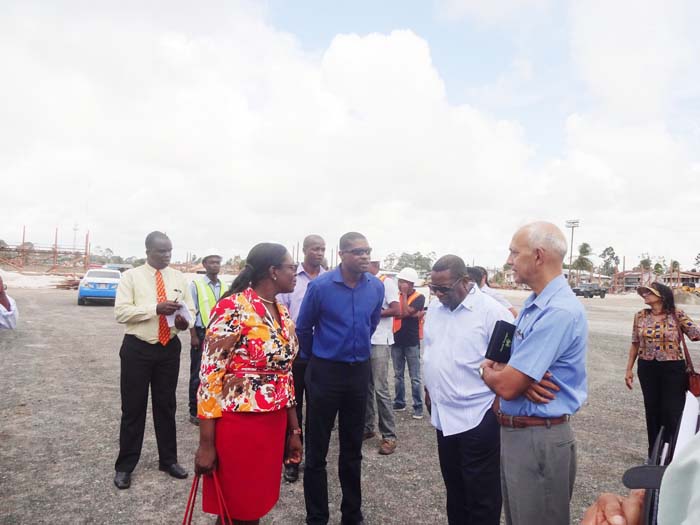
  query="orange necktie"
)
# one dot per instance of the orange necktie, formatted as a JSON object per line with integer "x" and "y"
{"x": 163, "y": 328}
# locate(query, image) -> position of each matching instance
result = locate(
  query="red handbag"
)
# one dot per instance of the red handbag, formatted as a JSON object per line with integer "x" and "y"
{"x": 693, "y": 376}
{"x": 224, "y": 514}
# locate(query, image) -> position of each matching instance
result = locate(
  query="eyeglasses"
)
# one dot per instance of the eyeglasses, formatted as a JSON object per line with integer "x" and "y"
{"x": 357, "y": 252}
{"x": 443, "y": 289}
{"x": 292, "y": 267}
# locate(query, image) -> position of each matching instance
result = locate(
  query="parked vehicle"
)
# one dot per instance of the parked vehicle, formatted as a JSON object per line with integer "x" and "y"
{"x": 98, "y": 285}
{"x": 589, "y": 290}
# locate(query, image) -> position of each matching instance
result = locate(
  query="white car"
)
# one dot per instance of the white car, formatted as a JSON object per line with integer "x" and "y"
{"x": 98, "y": 285}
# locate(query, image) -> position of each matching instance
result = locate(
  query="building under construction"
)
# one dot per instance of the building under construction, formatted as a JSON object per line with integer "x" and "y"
{"x": 53, "y": 258}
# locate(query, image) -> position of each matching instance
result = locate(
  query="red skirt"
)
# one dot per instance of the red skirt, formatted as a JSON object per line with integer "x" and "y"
{"x": 250, "y": 452}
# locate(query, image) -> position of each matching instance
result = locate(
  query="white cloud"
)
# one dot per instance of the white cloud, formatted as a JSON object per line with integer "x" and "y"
{"x": 223, "y": 131}
{"x": 490, "y": 11}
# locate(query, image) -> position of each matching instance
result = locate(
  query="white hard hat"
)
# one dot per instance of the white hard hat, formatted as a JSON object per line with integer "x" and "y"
{"x": 408, "y": 274}
{"x": 212, "y": 252}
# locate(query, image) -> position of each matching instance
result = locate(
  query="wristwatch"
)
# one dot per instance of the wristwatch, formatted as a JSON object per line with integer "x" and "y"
{"x": 294, "y": 431}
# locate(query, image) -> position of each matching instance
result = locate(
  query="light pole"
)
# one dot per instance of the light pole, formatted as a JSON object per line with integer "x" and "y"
{"x": 572, "y": 223}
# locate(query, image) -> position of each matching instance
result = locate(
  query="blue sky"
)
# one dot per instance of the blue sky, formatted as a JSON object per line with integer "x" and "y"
{"x": 470, "y": 54}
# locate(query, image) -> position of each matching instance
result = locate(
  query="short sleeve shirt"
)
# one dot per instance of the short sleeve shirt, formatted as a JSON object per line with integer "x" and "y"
{"x": 658, "y": 338}
{"x": 551, "y": 335}
{"x": 408, "y": 334}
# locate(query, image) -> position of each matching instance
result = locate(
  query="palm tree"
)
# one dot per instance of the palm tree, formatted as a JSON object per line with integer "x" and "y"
{"x": 582, "y": 261}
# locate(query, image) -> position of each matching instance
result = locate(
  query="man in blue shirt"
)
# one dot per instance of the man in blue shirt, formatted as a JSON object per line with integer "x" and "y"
{"x": 538, "y": 449}
{"x": 339, "y": 313}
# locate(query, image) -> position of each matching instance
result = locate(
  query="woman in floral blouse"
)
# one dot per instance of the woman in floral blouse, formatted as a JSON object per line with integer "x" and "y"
{"x": 248, "y": 423}
{"x": 656, "y": 341}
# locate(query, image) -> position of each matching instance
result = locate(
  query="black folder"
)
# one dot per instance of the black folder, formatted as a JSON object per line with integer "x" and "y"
{"x": 500, "y": 342}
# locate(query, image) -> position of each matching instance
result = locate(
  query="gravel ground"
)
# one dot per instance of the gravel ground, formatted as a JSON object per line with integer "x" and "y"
{"x": 59, "y": 381}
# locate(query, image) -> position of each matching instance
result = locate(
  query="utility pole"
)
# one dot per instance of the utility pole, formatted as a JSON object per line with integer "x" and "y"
{"x": 571, "y": 223}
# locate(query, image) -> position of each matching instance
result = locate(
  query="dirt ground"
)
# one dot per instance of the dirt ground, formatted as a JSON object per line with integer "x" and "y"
{"x": 60, "y": 409}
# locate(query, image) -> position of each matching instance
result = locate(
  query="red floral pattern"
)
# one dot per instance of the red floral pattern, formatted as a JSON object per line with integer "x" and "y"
{"x": 246, "y": 358}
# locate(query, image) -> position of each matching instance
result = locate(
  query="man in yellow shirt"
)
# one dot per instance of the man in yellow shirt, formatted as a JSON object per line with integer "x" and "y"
{"x": 147, "y": 298}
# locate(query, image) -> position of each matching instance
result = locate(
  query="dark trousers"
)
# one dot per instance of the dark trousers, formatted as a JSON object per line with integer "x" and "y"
{"x": 334, "y": 388}
{"x": 664, "y": 384}
{"x": 144, "y": 365}
{"x": 470, "y": 465}
{"x": 299, "y": 373}
{"x": 195, "y": 364}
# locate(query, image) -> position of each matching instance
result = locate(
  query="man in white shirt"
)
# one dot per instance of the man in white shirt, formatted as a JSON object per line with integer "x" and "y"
{"x": 456, "y": 333}
{"x": 382, "y": 339}
{"x": 480, "y": 276}
{"x": 8, "y": 309}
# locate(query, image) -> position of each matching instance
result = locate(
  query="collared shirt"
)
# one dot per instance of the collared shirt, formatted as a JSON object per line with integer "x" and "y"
{"x": 551, "y": 335}
{"x": 246, "y": 358}
{"x": 498, "y": 296}
{"x": 216, "y": 288}
{"x": 8, "y": 319}
{"x": 294, "y": 299}
{"x": 137, "y": 299}
{"x": 455, "y": 346}
{"x": 384, "y": 334}
{"x": 658, "y": 338}
{"x": 336, "y": 321}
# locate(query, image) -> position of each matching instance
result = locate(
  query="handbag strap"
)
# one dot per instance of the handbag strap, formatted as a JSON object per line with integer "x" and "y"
{"x": 224, "y": 514}
{"x": 189, "y": 510}
{"x": 688, "y": 362}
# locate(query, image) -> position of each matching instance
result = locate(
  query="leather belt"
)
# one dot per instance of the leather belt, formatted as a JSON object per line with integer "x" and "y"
{"x": 529, "y": 421}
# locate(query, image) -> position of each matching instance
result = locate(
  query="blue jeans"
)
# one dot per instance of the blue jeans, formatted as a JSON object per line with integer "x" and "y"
{"x": 400, "y": 355}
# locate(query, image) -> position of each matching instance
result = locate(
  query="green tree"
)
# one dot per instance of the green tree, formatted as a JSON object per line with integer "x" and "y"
{"x": 582, "y": 261}
{"x": 645, "y": 262}
{"x": 675, "y": 266}
{"x": 658, "y": 268}
{"x": 610, "y": 261}
{"x": 390, "y": 261}
{"x": 419, "y": 262}
{"x": 697, "y": 261}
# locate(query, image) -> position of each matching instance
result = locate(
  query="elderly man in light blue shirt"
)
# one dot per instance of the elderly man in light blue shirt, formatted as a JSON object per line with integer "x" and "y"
{"x": 457, "y": 331}
{"x": 542, "y": 385}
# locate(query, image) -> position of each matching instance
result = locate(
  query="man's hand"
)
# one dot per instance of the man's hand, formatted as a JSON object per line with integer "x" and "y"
{"x": 195, "y": 342}
{"x": 542, "y": 392}
{"x": 167, "y": 307}
{"x": 403, "y": 287}
{"x": 180, "y": 322}
{"x": 493, "y": 365}
{"x": 611, "y": 509}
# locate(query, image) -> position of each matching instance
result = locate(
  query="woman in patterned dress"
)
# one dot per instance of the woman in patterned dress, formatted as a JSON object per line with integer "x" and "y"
{"x": 656, "y": 343}
{"x": 248, "y": 423}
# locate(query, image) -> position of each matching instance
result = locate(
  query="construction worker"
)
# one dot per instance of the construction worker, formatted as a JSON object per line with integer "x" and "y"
{"x": 408, "y": 324}
{"x": 205, "y": 291}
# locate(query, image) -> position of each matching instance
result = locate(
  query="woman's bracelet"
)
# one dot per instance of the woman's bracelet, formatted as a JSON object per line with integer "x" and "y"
{"x": 294, "y": 431}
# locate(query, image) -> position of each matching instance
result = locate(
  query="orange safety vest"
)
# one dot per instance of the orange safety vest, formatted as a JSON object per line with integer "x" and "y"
{"x": 397, "y": 322}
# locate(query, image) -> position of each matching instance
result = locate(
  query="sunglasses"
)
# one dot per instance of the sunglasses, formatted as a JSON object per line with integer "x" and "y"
{"x": 443, "y": 289}
{"x": 357, "y": 252}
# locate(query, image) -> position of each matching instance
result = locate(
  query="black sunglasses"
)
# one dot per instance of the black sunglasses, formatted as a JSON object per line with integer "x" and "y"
{"x": 359, "y": 251}
{"x": 443, "y": 289}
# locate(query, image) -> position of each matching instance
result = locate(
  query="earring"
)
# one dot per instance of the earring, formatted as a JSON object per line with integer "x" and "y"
{"x": 274, "y": 278}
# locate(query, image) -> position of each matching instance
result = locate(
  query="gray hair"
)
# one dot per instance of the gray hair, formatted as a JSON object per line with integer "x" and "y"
{"x": 546, "y": 236}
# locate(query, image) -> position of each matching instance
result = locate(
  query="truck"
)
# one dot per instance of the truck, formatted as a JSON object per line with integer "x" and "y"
{"x": 589, "y": 290}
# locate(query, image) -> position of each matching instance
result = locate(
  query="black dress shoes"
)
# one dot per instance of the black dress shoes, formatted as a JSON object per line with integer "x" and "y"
{"x": 122, "y": 480}
{"x": 291, "y": 472}
{"x": 174, "y": 470}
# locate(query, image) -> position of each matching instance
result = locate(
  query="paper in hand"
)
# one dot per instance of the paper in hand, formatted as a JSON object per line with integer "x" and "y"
{"x": 183, "y": 311}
